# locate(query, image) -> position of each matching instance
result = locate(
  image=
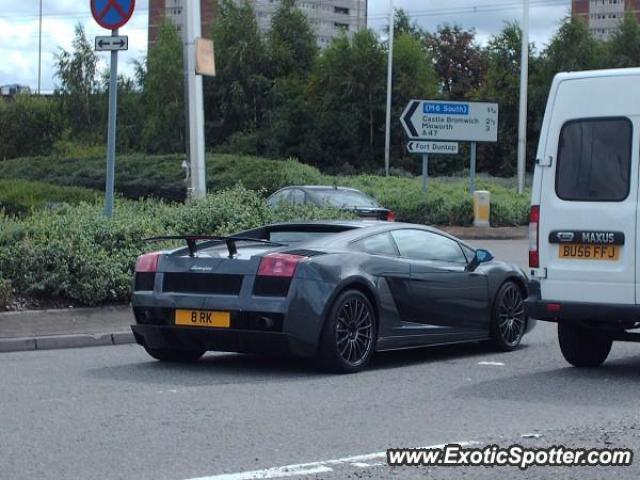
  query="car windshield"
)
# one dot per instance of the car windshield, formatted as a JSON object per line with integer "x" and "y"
{"x": 345, "y": 198}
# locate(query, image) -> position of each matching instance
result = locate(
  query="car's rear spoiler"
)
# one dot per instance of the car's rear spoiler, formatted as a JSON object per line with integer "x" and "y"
{"x": 192, "y": 241}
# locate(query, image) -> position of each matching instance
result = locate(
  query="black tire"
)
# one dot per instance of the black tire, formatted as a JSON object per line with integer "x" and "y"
{"x": 349, "y": 334}
{"x": 583, "y": 347}
{"x": 175, "y": 355}
{"x": 508, "y": 318}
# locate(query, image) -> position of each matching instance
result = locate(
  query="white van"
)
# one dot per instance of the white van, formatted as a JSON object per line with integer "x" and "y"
{"x": 583, "y": 256}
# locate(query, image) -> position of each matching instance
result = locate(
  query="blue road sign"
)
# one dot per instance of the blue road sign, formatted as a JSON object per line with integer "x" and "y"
{"x": 112, "y": 14}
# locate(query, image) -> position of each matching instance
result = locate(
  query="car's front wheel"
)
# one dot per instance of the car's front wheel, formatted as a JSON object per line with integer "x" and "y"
{"x": 175, "y": 354}
{"x": 583, "y": 347}
{"x": 509, "y": 320}
{"x": 348, "y": 338}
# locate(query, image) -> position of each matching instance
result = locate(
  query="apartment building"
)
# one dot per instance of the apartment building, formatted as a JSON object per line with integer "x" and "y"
{"x": 604, "y": 16}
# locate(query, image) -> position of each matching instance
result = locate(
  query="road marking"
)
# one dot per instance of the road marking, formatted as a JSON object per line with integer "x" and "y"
{"x": 312, "y": 468}
{"x": 492, "y": 364}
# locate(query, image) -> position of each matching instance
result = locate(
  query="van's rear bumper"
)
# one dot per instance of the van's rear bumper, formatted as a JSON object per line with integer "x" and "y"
{"x": 557, "y": 310}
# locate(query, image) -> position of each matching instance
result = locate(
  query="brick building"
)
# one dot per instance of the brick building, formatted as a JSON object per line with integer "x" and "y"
{"x": 604, "y": 16}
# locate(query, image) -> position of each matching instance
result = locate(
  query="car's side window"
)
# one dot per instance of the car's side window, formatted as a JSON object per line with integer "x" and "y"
{"x": 423, "y": 245}
{"x": 594, "y": 160}
{"x": 279, "y": 197}
{"x": 296, "y": 197}
{"x": 380, "y": 244}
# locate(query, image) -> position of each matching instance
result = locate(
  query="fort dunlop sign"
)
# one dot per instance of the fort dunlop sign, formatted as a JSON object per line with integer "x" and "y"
{"x": 451, "y": 121}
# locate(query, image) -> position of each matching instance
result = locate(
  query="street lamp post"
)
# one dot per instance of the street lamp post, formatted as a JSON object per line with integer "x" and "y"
{"x": 387, "y": 143}
{"x": 524, "y": 76}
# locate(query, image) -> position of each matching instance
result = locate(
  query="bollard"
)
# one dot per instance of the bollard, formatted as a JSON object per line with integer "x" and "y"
{"x": 481, "y": 208}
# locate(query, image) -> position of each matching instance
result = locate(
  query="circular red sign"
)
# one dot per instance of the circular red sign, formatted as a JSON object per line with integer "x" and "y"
{"x": 112, "y": 14}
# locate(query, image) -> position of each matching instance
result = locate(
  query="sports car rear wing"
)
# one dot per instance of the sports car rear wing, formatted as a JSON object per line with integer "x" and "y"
{"x": 192, "y": 242}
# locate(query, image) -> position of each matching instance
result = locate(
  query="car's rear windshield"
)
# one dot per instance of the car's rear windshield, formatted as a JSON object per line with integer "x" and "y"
{"x": 344, "y": 198}
{"x": 594, "y": 160}
{"x": 305, "y": 234}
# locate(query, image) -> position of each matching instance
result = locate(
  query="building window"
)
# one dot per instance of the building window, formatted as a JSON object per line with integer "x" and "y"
{"x": 341, "y": 10}
{"x": 341, "y": 26}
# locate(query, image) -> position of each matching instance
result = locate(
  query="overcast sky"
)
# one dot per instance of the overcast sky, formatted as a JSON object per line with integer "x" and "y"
{"x": 19, "y": 28}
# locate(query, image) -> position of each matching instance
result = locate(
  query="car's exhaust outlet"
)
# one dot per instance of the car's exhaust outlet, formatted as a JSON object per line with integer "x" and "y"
{"x": 265, "y": 323}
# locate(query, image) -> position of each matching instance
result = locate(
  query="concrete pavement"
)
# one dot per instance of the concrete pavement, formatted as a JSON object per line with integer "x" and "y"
{"x": 113, "y": 413}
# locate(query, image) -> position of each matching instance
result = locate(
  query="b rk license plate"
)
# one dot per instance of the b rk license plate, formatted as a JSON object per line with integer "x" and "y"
{"x": 574, "y": 251}
{"x": 203, "y": 318}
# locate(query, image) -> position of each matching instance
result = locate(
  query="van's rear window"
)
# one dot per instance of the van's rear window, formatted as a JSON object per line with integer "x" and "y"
{"x": 594, "y": 160}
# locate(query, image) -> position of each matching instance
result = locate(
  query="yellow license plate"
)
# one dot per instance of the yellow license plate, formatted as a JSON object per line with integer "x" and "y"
{"x": 574, "y": 251}
{"x": 203, "y": 318}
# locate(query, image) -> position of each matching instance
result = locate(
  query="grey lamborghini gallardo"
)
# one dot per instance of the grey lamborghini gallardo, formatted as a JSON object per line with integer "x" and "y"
{"x": 338, "y": 291}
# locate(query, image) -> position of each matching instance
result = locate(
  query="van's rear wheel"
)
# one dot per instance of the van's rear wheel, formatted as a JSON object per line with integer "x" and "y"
{"x": 583, "y": 347}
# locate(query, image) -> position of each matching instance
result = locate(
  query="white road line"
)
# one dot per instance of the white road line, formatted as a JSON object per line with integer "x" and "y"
{"x": 492, "y": 364}
{"x": 312, "y": 468}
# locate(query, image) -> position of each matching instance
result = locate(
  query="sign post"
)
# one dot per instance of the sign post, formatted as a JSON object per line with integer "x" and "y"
{"x": 435, "y": 126}
{"x": 425, "y": 172}
{"x": 112, "y": 14}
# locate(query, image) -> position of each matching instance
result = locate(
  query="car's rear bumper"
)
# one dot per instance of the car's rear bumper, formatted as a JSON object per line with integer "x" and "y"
{"x": 592, "y": 313}
{"x": 220, "y": 339}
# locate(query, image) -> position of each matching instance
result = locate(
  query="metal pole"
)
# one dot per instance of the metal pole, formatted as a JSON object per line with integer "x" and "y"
{"x": 472, "y": 169}
{"x": 194, "y": 100}
{"x": 387, "y": 142}
{"x": 40, "y": 50}
{"x": 425, "y": 172}
{"x": 111, "y": 133}
{"x": 524, "y": 78}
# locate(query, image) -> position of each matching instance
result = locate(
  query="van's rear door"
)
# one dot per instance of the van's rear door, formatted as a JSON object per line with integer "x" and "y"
{"x": 589, "y": 192}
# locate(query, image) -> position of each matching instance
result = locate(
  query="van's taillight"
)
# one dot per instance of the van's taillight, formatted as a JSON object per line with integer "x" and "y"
{"x": 534, "y": 229}
{"x": 279, "y": 265}
{"x": 391, "y": 216}
{"x": 148, "y": 262}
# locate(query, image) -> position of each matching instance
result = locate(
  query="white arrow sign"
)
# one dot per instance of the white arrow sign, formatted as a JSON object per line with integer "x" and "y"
{"x": 457, "y": 121}
{"x": 447, "y": 148}
{"x": 110, "y": 43}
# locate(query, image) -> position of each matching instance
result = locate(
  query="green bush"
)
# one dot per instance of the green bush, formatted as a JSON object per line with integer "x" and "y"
{"x": 77, "y": 254}
{"x": 19, "y": 197}
{"x": 447, "y": 202}
{"x": 6, "y": 293}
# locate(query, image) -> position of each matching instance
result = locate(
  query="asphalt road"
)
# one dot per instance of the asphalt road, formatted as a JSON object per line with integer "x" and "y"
{"x": 113, "y": 413}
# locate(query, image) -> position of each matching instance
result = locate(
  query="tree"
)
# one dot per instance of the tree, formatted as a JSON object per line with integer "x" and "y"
{"x": 502, "y": 85}
{"x": 291, "y": 42}
{"x": 163, "y": 94}
{"x": 458, "y": 60}
{"x": 346, "y": 92}
{"x": 624, "y": 46}
{"x": 235, "y": 99}
{"x": 404, "y": 26}
{"x": 413, "y": 77}
{"x": 76, "y": 70}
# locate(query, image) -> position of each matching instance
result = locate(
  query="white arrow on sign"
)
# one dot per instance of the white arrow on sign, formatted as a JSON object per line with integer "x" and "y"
{"x": 424, "y": 147}
{"x": 453, "y": 121}
{"x": 111, "y": 43}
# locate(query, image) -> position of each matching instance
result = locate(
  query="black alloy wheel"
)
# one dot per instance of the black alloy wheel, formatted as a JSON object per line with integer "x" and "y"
{"x": 509, "y": 320}
{"x": 348, "y": 338}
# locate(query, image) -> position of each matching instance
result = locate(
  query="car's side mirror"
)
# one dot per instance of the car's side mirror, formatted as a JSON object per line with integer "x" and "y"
{"x": 481, "y": 256}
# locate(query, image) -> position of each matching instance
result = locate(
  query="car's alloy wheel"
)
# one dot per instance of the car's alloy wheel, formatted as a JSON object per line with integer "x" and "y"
{"x": 349, "y": 335}
{"x": 509, "y": 321}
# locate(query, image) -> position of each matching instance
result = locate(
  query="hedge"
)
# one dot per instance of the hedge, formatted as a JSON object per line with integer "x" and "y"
{"x": 75, "y": 253}
{"x": 447, "y": 203}
{"x": 20, "y": 197}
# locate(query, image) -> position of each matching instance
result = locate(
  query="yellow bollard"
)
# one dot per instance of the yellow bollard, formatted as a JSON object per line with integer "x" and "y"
{"x": 481, "y": 208}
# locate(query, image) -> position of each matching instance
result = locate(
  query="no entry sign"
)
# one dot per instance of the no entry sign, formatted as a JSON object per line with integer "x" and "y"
{"x": 112, "y": 14}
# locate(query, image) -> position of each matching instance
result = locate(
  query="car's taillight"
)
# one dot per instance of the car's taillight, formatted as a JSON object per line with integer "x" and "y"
{"x": 534, "y": 230}
{"x": 391, "y": 216}
{"x": 279, "y": 265}
{"x": 148, "y": 262}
